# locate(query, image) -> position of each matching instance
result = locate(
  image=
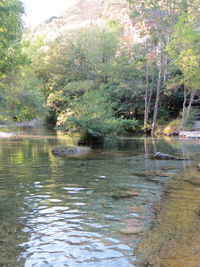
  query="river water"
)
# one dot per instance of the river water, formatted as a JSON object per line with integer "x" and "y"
{"x": 92, "y": 211}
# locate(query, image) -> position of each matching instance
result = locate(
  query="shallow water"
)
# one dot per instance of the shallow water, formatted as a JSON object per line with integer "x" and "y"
{"x": 58, "y": 211}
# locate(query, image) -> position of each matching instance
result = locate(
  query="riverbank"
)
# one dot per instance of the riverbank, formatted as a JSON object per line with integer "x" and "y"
{"x": 10, "y": 134}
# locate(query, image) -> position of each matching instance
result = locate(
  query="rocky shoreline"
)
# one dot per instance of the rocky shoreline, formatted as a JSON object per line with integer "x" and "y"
{"x": 4, "y": 134}
{"x": 190, "y": 134}
{"x": 22, "y": 124}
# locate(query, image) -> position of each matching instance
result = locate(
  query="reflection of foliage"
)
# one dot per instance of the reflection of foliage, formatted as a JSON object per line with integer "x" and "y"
{"x": 8, "y": 206}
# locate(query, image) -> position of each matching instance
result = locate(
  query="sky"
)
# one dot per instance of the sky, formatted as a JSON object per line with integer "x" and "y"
{"x": 39, "y": 10}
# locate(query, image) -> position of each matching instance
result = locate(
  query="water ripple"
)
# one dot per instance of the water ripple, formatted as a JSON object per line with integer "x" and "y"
{"x": 74, "y": 212}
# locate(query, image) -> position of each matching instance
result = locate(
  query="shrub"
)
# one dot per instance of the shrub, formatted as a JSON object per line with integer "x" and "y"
{"x": 92, "y": 115}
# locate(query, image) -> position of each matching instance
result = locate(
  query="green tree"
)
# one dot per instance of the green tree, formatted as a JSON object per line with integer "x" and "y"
{"x": 22, "y": 94}
{"x": 11, "y": 30}
{"x": 157, "y": 20}
{"x": 12, "y": 59}
{"x": 184, "y": 50}
{"x": 93, "y": 59}
{"x": 23, "y": 97}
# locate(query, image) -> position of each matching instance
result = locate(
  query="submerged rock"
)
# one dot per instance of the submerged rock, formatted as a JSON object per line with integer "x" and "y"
{"x": 70, "y": 151}
{"x": 134, "y": 230}
{"x": 125, "y": 194}
{"x": 112, "y": 218}
{"x": 160, "y": 155}
{"x": 153, "y": 173}
{"x": 169, "y": 168}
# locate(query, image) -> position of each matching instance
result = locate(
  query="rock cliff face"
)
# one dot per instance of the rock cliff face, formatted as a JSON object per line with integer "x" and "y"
{"x": 85, "y": 13}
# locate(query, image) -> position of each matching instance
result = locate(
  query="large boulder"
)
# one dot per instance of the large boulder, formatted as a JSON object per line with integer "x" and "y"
{"x": 70, "y": 151}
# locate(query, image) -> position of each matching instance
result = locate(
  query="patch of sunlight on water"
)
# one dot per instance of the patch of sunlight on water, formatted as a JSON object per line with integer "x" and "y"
{"x": 92, "y": 211}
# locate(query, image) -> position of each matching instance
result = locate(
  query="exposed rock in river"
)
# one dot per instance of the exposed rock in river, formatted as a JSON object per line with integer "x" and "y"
{"x": 161, "y": 156}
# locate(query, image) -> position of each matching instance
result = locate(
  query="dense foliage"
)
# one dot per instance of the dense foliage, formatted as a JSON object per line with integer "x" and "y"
{"x": 171, "y": 27}
{"x": 21, "y": 96}
{"x": 87, "y": 82}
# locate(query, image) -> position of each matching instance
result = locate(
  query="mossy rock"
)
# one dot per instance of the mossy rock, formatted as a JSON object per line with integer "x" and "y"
{"x": 70, "y": 151}
{"x": 172, "y": 128}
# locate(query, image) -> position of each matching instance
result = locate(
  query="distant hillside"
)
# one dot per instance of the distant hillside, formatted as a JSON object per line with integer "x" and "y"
{"x": 85, "y": 13}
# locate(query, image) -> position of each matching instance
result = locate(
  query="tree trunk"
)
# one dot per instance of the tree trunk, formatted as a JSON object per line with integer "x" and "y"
{"x": 184, "y": 108}
{"x": 189, "y": 106}
{"x": 149, "y": 102}
{"x": 151, "y": 92}
{"x": 146, "y": 112}
{"x": 155, "y": 114}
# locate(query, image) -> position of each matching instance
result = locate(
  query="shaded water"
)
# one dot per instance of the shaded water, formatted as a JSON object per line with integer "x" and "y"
{"x": 57, "y": 211}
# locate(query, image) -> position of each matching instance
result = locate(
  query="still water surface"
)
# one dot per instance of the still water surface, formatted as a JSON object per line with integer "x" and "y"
{"x": 59, "y": 211}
